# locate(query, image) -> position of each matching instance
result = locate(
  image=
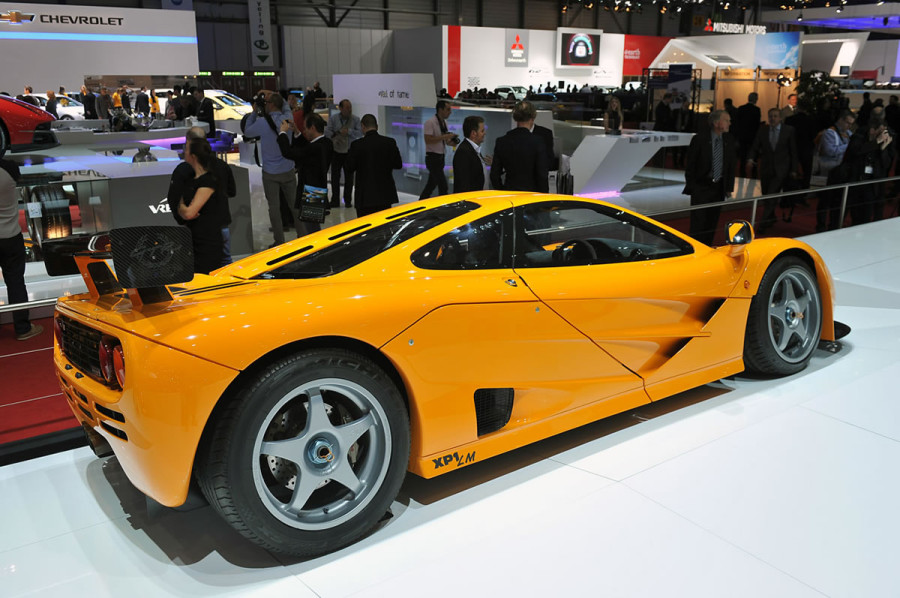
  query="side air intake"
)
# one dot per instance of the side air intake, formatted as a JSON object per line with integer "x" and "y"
{"x": 493, "y": 407}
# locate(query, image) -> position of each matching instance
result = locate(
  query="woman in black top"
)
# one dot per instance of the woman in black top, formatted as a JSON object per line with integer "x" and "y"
{"x": 199, "y": 207}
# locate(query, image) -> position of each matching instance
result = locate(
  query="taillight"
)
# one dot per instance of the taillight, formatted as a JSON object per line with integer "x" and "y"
{"x": 105, "y": 352}
{"x": 112, "y": 361}
{"x": 119, "y": 364}
{"x": 57, "y": 330}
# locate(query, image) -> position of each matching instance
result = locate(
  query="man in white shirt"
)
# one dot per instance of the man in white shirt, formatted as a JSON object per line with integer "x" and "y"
{"x": 437, "y": 136}
{"x": 12, "y": 251}
{"x": 343, "y": 129}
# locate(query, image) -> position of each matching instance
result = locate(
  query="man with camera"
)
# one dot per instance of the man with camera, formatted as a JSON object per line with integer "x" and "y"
{"x": 437, "y": 137}
{"x": 278, "y": 173}
{"x": 869, "y": 156}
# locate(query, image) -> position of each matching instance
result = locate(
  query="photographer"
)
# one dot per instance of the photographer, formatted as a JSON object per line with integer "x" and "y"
{"x": 869, "y": 156}
{"x": 278, "y": 172}
{"x": 437, "y": 137}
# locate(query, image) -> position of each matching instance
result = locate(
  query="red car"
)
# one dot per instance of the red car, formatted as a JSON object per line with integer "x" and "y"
{"x": 24, "y": 127}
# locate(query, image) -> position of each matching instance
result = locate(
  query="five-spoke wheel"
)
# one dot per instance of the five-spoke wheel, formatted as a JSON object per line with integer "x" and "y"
{"x": 785, "y": 319}
{"x": 310, "y": 455}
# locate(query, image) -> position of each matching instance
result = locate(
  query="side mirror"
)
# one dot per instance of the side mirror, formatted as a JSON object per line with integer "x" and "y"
{"x": 738, "y": 232}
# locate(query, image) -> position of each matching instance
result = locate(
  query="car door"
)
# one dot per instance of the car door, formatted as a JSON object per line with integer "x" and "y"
{"x": 487, "y": 332}
{"x": 640, "y": 292}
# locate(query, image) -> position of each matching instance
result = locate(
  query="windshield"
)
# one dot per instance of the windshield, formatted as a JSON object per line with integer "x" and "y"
{"x": 230, "y": 100}
{"x": 369, "y": 242}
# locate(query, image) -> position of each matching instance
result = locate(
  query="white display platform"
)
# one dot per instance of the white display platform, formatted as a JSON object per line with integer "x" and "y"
{"x": 605, "y": 163}
{"x": 745, "y": 487}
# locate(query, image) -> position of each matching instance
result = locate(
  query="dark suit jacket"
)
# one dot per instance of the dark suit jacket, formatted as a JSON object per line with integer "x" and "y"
{"x": 90, "y": 106}
{"x": 142, "y": 103}
{"x": 698, "y": 173}
{"x": 373, "y": 159}
{"x": 522, "y": 158}
{"x": 312, "y": 159}
{"x": 775, "y": 164}
{"x": 663, "y": 118}
{"x": 206, "y": 113}
{"x": 546, "y": 136}
{"x": 747, "y": 123}
{"x": 468, "y": 173}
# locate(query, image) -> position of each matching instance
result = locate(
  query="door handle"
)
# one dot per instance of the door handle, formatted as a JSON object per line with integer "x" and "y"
{"x": 511, "y": 282}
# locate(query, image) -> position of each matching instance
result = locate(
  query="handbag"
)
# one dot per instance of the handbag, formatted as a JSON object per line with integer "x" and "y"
{"x": 313, "y": 204}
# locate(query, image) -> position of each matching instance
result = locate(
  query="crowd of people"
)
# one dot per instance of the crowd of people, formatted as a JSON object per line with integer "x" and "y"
{"x": 791, "y": 150}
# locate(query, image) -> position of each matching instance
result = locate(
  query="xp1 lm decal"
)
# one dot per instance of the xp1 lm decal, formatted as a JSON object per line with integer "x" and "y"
{"x": 456, "y": 458}
{"x": 162, "y": 208}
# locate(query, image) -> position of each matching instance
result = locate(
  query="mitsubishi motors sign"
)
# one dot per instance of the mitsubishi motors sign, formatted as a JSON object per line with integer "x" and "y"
{"x": 640, "y": 52}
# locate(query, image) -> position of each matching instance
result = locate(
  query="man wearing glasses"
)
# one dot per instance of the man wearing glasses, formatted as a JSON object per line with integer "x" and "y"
{"x": 278, "y": 173}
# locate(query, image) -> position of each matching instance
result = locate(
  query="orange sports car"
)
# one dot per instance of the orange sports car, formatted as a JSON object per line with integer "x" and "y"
{"x": 299, "y": 385}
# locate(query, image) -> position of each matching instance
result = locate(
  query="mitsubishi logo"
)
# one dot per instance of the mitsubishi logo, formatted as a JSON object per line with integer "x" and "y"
{"x": 518, "y": 45}
{"x": 14, "y": 17}
{"x": 709, "y": 25}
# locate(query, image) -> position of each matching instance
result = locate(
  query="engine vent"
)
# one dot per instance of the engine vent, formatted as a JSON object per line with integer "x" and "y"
{"x": 114, "y": 431}
{"x": 110, "y": 413}
{"x": 80, "y": 344}
{"x": 493, "y": 407}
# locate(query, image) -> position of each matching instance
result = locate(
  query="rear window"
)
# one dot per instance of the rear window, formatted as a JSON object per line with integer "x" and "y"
{"x": 369, "y": 242}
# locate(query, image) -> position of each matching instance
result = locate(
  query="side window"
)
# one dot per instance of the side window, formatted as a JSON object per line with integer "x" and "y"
{"x": 476, "y": 245}
{"x": 573, "y": 233}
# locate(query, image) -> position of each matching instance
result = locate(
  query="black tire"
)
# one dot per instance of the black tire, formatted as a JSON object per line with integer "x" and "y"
{"x": 299, "y": 500}
{"x": 4, "y": 140}
{"x": 66, "y": 117}
{"x": 785, "y": 319}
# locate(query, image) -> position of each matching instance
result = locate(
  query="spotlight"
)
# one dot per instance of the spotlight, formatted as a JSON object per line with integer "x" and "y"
{"x": 800, "y": 17}
{"x": 839, "y": 9}
{"x": 885, "y": 21}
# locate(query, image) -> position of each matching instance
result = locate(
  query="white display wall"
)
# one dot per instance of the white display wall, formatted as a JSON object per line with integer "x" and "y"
{"x": 53, "y": 45}
{"x": 883, "y": 55}
{"x": 482, "y": 60}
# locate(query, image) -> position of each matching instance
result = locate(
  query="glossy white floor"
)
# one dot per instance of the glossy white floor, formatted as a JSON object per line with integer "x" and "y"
{"x": 745, "y": 487}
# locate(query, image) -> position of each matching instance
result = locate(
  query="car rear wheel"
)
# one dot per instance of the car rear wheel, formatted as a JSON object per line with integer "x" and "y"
{"x": 66, "y": 117}
{"x": 785, "y": 319}
{"x": 310, "y": 455}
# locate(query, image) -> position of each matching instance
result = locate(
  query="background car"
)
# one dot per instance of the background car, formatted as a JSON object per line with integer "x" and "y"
{"x": 24, "y": 127}
{"x": 227, "y": 106}
{"x": 518, "y": 91}
{"x": 299, "y": 385}
{"x": 67, "y": 108}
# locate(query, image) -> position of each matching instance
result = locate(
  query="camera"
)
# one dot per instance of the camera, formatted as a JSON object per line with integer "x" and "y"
{"x": 259, "y": 103}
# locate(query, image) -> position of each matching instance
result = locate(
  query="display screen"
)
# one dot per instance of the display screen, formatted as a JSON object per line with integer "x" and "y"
{"x": 579, "y": 49}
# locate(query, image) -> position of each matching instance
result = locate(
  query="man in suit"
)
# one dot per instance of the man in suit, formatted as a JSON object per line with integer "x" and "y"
{"x": 205, "y": 111}
{"x": 709, "y": 176}
{"x": 372, "y": 160}
{"x": 90, "y": 103}
{"x": 776, "y": 148}
{"x": 520, "y": 158}
{"x": 468, "y": 163}
{"x": 142, "y": 102}
{"x": 790, "y": 109}
{"x": 546, "y": 137}
{"x": 311, "y": 152}
{"x": 747, "y": 124}
{"x": 343, "y": 129}
{"x": 663, "y": 119}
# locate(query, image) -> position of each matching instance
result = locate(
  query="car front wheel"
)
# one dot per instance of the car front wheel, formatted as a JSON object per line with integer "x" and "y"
{"x": 785, "y": 319}
{"x": 310, "y": 455}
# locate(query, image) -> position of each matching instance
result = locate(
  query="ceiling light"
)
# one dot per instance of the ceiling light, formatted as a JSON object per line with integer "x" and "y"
{"x": 839, "y": 9}
{"x": 800, "y": 16}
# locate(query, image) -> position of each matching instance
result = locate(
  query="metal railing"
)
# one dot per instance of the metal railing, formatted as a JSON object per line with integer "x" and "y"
{"x": 754, "y": 201}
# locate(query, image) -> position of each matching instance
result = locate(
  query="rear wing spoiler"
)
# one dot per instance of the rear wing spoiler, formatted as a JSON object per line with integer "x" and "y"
{"x": 146, "y": 259}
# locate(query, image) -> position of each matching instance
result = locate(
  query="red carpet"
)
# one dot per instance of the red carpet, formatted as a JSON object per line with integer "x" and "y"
{"x": 31, "y": 403}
